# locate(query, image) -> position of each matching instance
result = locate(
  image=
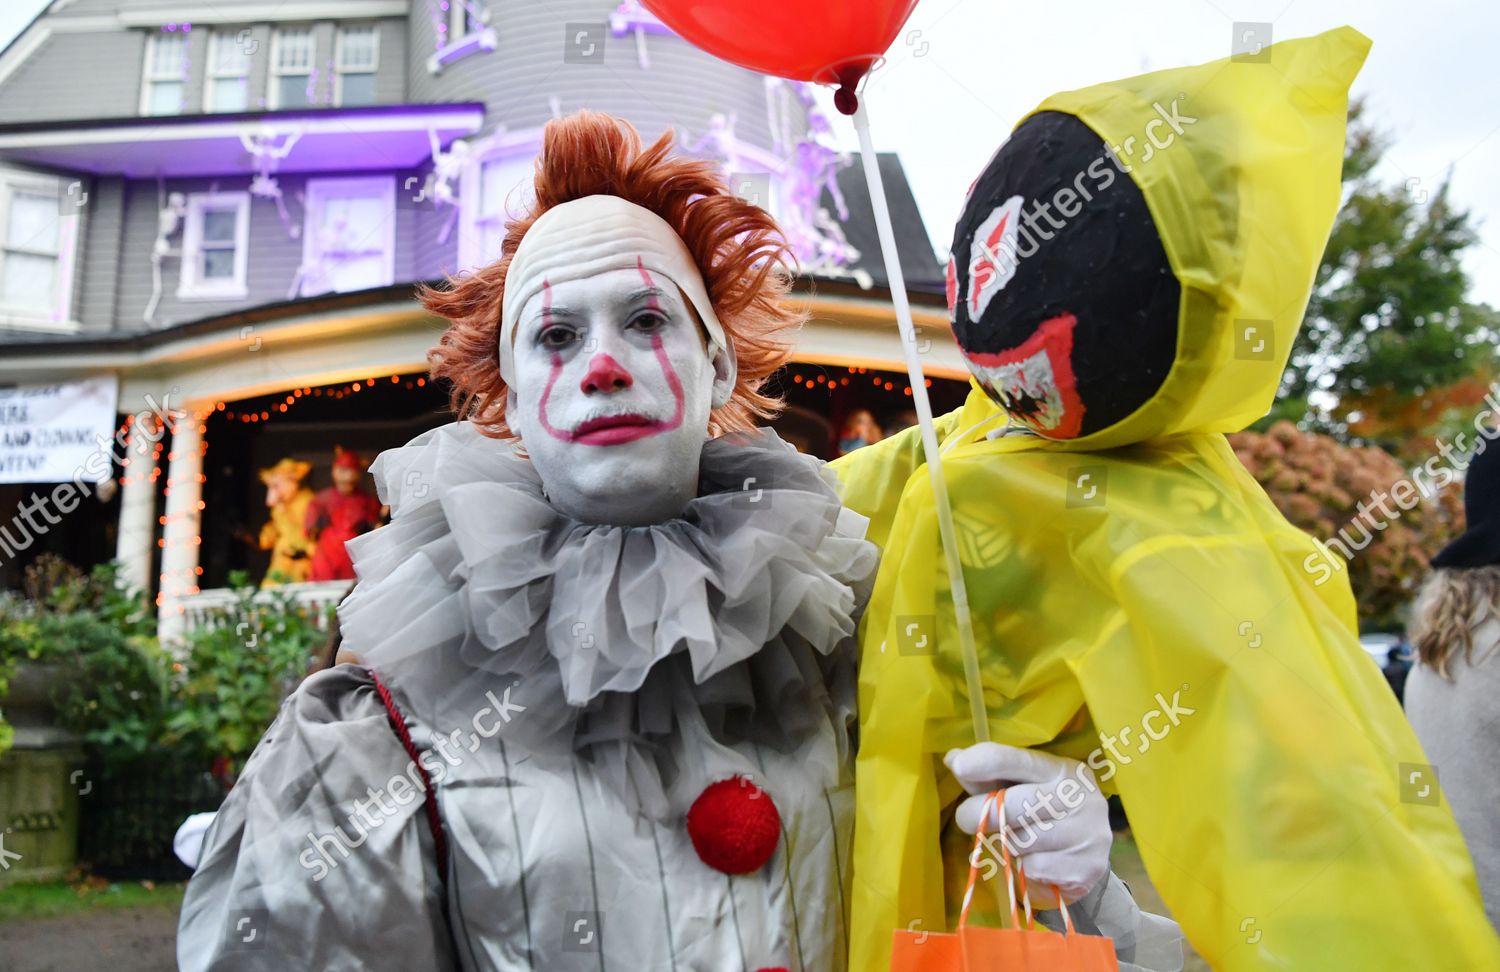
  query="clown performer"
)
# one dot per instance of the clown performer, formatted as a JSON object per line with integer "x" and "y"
{"x": 285, "y": 533}
{"x": 338, "y": 514}
{"x": 606, "y": 719}
{"x": 1128, "y": 275}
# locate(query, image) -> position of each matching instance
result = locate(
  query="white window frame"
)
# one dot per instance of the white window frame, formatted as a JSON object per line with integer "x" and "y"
{"x": 148, "y": 77}
{"x": 339, "y": 69}
{"x": 60, "y": 318}
{"x": 274, "y": 74}
{"x": 502, "y": 145}
{"x": 189, "y": 285}
{"x": 462, "y": 37}
{"x": 212, "y": 74}
{"x": 319, "y": 191}
{"x": 458, "y": 21}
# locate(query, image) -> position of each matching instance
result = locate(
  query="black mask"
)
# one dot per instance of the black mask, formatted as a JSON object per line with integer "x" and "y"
{"x": 1060, "y": 293}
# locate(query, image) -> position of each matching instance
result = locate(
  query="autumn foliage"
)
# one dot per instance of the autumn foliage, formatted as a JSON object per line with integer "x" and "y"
{"x": 1318, "y": 484}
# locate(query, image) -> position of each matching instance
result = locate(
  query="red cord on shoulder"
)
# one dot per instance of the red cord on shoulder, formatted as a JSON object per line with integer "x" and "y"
{"x": 434, "y": 822}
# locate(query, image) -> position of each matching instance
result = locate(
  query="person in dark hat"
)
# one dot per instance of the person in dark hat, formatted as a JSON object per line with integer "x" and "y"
{"x": 1453, "y": 692}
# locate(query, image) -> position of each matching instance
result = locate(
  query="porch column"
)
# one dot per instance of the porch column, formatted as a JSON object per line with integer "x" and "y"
{"x": 180, "y": 536}
{"x": 137, "y": 528}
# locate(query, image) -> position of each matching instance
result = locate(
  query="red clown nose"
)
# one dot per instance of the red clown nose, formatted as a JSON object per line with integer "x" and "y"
{"x": 605, "y": 374}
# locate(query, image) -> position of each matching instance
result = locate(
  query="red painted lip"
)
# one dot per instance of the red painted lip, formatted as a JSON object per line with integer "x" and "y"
{"x": 615, "y": 429}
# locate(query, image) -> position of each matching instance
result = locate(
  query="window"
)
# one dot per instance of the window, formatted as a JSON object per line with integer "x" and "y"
{"x": 464, "y": 18}
{"x": 227, "y": 87}
{"x": 166, "y": 72}
{"x": 355, "y": 57}
{"x": 465, "y": 31}
{"x": 496, "y": 188}
{"x": 215, "y": 239}
{"x": 292, "y": 69}
{"x": 349, "y": 242}
{"x": 37, "y": 234}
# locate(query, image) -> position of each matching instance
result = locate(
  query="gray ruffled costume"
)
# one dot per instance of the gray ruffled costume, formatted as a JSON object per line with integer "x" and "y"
{"x": 579, "y": 686}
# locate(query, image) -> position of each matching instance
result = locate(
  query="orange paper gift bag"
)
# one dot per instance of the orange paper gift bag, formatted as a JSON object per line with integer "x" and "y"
{"x": 1023, "y": 947}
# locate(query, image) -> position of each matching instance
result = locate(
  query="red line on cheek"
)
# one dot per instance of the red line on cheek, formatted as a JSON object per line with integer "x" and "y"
{"x": 672, "y": 380}
{"x": 541, "y": 409}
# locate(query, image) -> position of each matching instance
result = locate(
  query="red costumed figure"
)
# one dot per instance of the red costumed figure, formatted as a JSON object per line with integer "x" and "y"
{"x": 338, "y": 514}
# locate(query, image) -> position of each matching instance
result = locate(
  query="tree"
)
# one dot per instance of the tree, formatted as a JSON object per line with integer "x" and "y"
{"x": 1389, "y": 348}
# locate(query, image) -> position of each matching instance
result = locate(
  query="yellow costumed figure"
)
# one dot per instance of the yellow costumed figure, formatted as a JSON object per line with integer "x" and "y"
{"x": 285, "y": 534}
{"x": 1128, "y": 277}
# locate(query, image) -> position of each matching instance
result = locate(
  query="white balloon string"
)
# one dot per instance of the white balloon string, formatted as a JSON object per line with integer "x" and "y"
{"x": 919, "y": 398}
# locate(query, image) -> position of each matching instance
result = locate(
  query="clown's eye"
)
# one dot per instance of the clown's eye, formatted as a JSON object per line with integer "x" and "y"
{"x": 555, "y": 337}
{"x": 648, "y": 321}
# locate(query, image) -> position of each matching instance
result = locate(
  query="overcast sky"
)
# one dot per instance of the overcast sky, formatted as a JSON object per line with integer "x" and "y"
{"x": 1432, "y": 81}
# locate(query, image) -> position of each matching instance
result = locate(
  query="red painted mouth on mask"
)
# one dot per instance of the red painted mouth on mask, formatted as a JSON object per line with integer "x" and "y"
{"x": 1034, "y": 382}
{"x": 615, "y": 429}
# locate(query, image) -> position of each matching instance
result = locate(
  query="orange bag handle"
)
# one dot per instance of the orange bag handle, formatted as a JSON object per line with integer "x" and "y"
{"x": 1015, "y": 877}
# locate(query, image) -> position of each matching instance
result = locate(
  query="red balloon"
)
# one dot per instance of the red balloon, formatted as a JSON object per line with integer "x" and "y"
{"x": 824, "y": 41}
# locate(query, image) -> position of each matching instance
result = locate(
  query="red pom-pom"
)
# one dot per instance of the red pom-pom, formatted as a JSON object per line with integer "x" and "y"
{"x": 734, "y": 826}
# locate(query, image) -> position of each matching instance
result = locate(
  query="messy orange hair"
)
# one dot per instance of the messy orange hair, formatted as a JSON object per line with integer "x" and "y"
{"x": 746, "y": 265}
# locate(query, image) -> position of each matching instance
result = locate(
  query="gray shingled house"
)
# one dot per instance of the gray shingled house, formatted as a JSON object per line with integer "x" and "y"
{"x": 220, "y": 210}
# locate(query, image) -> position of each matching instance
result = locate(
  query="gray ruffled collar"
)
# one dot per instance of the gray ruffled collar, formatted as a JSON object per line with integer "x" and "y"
{"x": 738, "y": 615}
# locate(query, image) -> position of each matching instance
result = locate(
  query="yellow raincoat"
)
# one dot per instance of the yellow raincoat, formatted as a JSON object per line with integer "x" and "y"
{"x": 1141, "y": 605}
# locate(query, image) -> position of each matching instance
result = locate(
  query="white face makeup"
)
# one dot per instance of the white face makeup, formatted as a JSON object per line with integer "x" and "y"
{"x": 611, "y": 395}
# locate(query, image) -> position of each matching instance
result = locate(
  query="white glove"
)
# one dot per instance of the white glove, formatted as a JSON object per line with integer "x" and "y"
{"x": 1056, "y": 819}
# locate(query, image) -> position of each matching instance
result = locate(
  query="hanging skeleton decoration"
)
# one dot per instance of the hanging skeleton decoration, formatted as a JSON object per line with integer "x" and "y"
{"x": 719, "y": 144}
{"x": 812, "y": 166}
{"x": 444, "y": 182}
{"x": 268, "y": 155}
{"x": 173, "y": 208}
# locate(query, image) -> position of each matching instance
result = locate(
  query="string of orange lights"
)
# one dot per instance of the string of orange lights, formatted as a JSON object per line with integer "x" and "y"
{"x": 829, "y": 383}
{"x": 301, "y": 394}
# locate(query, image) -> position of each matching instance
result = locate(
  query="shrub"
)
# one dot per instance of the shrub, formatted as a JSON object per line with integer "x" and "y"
{"x": 238, "y": 670}
{"x": 1318, "y": 484}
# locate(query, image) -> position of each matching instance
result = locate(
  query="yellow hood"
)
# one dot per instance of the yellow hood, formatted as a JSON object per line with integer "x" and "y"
{"x": 1244, "y": 199}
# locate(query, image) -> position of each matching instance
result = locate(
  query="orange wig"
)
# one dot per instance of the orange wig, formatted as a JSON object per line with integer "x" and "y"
{"x": 745, "y": 262}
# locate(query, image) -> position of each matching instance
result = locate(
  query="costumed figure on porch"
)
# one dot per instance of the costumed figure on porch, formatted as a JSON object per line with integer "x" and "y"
{"x": 285, "y": 533}
{"x": 1128, "y": 276}
{"x": 338, "y": 514}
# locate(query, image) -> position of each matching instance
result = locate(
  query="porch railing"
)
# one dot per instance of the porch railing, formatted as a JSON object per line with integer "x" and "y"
{"x": 209, "y": 608}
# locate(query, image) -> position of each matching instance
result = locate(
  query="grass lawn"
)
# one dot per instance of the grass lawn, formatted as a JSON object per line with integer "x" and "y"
{"x": 55, "y": 898}
{"x": 1125, "y": 860}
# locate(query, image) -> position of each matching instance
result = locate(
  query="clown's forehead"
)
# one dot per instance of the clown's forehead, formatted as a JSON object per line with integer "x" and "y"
{"x": 609, "y": 290}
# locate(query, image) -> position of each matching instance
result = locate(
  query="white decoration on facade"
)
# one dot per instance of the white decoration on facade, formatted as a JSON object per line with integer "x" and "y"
{"x": 168, "y": 221}
{"x": 460, "y": 28}
{"x": 268, "y": 155}
{"x": 630, "y": 17}
{"x": 719, "y": 143}
{"x": 812, "y": 166}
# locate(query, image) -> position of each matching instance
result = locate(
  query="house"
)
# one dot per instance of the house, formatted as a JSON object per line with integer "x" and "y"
{"x": 216, "y": 213}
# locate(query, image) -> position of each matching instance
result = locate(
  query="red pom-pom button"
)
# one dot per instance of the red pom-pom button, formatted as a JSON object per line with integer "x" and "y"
{"x": 734, "y": 826}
